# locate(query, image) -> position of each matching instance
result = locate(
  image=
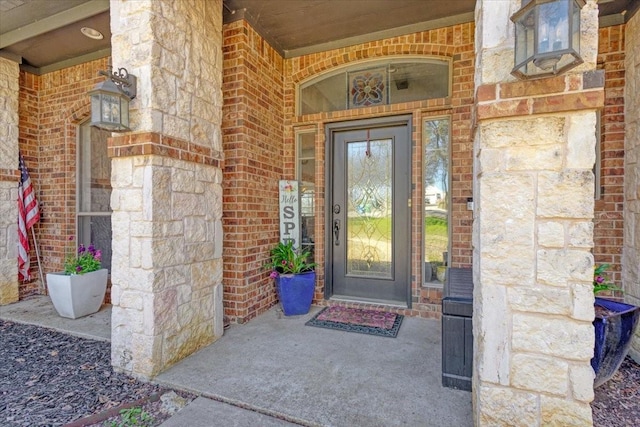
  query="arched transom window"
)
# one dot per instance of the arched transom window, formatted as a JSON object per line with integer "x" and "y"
{"x": 391, "y": 81}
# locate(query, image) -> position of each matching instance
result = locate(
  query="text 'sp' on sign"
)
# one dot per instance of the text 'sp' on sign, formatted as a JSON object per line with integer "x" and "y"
{"x": 289, "y": 212}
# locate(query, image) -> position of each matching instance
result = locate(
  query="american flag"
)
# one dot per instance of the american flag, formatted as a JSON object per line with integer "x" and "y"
{"x": 28, "y": 214}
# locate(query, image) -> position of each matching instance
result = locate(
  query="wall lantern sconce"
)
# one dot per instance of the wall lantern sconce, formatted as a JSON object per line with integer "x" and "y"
{"x": 547, "y": 37}
{"x": 110, "y": 100}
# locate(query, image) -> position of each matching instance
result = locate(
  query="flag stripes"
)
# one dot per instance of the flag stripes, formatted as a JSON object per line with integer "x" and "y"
{"x": 28, "y": 215}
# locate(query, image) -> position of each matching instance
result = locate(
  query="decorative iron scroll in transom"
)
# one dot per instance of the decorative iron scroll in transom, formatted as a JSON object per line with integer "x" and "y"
{"x": 369, "y": 202}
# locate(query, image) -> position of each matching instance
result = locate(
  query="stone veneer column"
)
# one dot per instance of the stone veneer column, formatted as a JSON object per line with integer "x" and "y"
{"x": 9, "y": 177}
{"x": 533, "y": 231}
{"x": 631, "y": 250}
{"x": 166, "y": 178}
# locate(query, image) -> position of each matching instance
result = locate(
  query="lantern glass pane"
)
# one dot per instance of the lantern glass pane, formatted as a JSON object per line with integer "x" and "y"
{"x": 124, "y": 111}
{"x": 553, "y": 26}
{"x": 95, "y": 108}
{"x": 110, "y": 107}
{"x": 575, "y": 27}
{"x": 524, "y": 37}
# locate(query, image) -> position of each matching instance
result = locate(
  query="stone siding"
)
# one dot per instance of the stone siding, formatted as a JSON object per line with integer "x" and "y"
{"x": 167, "y": 265}
{"x": 9, "y": 179}
{"x": 533, "y": 267}
{"x": 631, "y": 251}
{"x": 167, "y": 185}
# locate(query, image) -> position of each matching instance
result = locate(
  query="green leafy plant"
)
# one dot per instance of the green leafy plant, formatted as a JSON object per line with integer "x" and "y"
{"x": 287, "y": 260}
{"x": 84, "y": 260}
{"x": 133, "y": 417}
{"x": 601, "y": 280}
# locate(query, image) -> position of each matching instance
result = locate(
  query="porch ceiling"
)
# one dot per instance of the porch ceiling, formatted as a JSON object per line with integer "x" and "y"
{"x": 44, "y": 35}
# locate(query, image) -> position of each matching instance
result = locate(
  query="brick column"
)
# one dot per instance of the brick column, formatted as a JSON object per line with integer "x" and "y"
{"x": 9, "y": 177}
{"x": 166, "y": 177}
{"x": 631, "y": 250}
{"x": 533, "y": 231}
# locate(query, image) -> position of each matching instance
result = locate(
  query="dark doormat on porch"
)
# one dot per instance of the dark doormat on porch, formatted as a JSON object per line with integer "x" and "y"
{"x": 360, "y": 320}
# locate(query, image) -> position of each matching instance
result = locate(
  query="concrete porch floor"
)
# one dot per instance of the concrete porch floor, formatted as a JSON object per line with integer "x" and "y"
{"x": 275, "y": 365}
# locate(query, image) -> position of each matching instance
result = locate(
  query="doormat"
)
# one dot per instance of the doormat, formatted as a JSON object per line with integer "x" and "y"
{"x": 359, "y": 320}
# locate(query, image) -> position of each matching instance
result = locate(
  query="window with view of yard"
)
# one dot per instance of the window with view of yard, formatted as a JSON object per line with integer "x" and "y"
{"x": 94, "y": 191}
{"x": 436, "y": 137}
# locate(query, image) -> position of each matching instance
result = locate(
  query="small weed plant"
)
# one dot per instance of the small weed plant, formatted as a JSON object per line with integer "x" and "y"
{"x": 133, "y": 417}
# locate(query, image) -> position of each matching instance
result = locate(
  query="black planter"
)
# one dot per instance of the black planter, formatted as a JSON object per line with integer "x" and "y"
{"x": 613, "y": 337}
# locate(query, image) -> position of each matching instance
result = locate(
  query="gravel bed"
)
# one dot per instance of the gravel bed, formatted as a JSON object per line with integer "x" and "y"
{"x": 617, "y": 402}
{"x": 48, "y": 378}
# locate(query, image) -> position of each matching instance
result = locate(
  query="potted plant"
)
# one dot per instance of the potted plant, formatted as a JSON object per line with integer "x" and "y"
{"x": 614, "y": 325}
{"x": 295, "y": 278}
{"x": 79, "y": 290}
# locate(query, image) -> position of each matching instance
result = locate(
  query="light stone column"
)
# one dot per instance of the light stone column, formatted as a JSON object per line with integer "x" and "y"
{"x": 631, "y": 250}
{"x": 533, "y": 233}
{"x": 166, "y": 179}
{"x": 9, "y": 177}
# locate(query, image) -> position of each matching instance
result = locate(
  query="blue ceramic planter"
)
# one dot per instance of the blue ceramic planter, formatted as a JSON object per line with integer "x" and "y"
{"x": 613, "y": 337}
{"x": 296, "y": 292}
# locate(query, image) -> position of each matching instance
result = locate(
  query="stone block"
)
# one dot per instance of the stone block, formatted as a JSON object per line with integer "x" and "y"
{"x": 490, "y": 160}
{"x": 169, "y": 251}
{"x": 564, "y": 412}
{"x": 130, "y": 200}
{"x": 583, "y": 300}
{"x": 131, "y": 300}
{"x": 121, "y": 172}
{"x": 185, "y": 204}
{"x": 555, "y": 267}
{"x": 218, "y": 310}
{"x": 553, "y": 336}
{"x": 581, "y": 140}
{"x": 517, "y": 132}
{"x": 581, "y": 378}
{"x": 490, "y": 325}
{"x": 547, "y": 157}
{"x": 507, "y": 407}
{"x": 182, "y": 180}
{"x": 574, "y": 187}
{"x": 218, "y": 236}
{"x": 581, "y": 234}
{"x": 542, "y": 299}
{"x": 8, "y": 284}
{"x": 539, "y": 373}
{"x": 195, "y": 229}
{"x": 550, "y": 234}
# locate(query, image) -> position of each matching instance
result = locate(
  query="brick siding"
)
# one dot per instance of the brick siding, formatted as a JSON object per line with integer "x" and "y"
{"x": 51, "y": 108}
{"x": 608, "y": 229}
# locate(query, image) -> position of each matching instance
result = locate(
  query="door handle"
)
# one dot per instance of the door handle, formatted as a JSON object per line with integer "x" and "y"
{"x": 336, "y": 231}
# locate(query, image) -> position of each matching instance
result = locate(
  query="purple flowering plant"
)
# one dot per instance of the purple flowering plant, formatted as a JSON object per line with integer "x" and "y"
{"x": 84, "y": 260}
{"x": 287, "y": 260}
{"x": 601, "y": 280}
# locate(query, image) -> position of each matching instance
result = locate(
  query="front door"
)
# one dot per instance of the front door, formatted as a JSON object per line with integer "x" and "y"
{"x": 369, "y": 244}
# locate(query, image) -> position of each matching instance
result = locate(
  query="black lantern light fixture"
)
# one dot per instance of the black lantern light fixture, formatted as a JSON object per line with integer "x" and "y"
{"x": 547, "y": 37}
{"x": 110, "y": 100}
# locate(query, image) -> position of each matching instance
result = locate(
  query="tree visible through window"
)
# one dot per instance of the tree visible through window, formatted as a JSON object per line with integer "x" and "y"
{"x": 436, "y": 198}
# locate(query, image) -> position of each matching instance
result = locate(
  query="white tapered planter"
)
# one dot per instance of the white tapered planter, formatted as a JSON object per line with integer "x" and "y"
{"x": 77, "y": 295}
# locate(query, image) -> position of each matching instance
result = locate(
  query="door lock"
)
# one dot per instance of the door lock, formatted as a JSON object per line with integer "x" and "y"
{"x": 336, "y": 231}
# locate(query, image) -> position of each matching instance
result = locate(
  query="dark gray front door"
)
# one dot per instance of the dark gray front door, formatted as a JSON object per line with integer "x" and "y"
{"x": 369, "y": 212}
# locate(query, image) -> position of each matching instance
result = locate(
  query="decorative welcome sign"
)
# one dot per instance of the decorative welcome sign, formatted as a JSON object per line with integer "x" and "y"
{"x": 289, "y": 212}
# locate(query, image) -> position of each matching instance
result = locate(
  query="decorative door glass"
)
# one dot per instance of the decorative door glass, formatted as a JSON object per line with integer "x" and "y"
{"x": 369, "y": 201}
